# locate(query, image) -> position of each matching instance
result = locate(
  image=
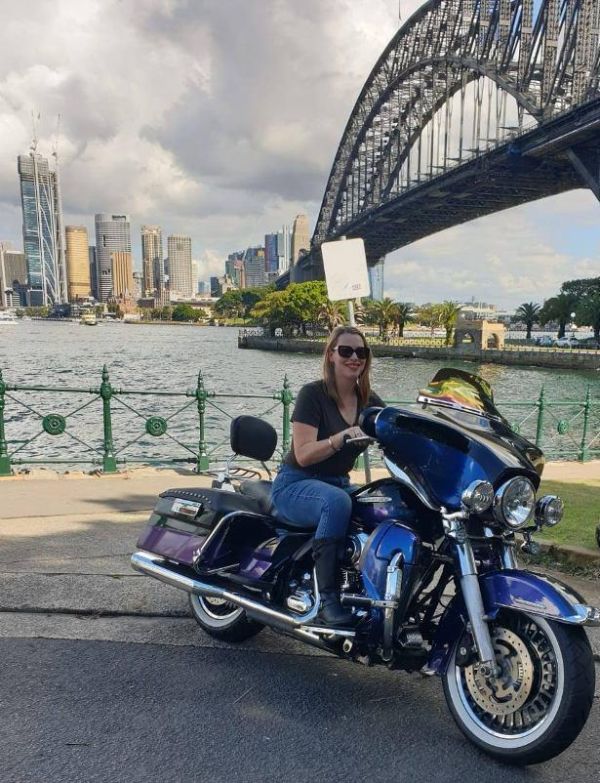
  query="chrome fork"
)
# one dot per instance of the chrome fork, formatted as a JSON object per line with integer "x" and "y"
{"x": 455, "y": 530}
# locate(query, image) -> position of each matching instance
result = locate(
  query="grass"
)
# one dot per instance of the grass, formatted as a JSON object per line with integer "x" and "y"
{"x": 582, "y": 513}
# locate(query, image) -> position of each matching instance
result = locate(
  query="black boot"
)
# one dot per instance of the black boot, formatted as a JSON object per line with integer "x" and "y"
{"x": 326, "y": 553}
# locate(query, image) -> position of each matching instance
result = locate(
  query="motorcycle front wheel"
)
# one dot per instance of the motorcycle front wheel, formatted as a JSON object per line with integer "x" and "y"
{"x": 541, "y": 699}
{"x": 223, "y": 620}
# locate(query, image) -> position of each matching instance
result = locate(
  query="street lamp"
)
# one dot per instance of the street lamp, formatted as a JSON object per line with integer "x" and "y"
{"x": 572, "y": 325}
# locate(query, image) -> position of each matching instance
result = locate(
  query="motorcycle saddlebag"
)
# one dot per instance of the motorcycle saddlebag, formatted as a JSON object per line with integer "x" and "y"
{"x": 183, "y": 518}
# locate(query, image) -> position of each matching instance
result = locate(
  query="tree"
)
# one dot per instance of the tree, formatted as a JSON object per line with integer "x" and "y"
{"x": 185, "y": 312}
{"x": 402, "y": 316}
{"x": 588, "y": 314}
{"x": 448, "y": 315}
{"x": 429, "y": 315}
{"x": 559, "y": 309}
{"x": 529, "y": 314}
{"x": 581, "y": 288}
{"x": 230, "y": 304}
{"x": 331, "y": 314}
{"x": 293, "y": 308}
{"x": 384, "y": 314}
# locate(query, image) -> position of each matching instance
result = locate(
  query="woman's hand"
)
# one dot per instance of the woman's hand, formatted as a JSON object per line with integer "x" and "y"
{"x": 351, "y": 433}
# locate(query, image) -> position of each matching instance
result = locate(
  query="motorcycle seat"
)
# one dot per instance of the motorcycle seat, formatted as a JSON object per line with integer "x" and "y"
{"x": 260, "y": 492}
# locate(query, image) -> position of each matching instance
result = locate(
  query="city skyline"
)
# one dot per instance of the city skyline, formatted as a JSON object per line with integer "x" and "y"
{"x": 255, "y": 173}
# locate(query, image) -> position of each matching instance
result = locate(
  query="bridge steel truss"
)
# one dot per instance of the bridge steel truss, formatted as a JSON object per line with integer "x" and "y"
{"x": 430, "y": 142}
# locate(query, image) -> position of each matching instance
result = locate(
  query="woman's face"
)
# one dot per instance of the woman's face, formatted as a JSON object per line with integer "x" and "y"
{"x": 347, "y": 367}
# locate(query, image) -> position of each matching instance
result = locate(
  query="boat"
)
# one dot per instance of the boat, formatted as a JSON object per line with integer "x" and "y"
{"x": 7, "y": 318}
{"x": 89, "y": 319}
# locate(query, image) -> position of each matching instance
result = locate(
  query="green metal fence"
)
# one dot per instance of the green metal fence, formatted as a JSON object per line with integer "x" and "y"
{"x": 107, "y": 427}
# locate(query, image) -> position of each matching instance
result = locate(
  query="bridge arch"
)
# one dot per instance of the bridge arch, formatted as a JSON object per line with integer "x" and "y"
{"x": 546, "y": 66}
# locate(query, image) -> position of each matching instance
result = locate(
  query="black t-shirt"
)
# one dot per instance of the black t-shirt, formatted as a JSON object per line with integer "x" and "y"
{"x": 316, "y": 408}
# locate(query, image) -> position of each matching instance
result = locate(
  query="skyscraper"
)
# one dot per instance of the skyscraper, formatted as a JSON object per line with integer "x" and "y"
{"x": 40, "y": 201}
{"x": 254, "y": 267}
{"x": 271, "y": 257}
{"x": 283, "y": 249}
{"x": 93, "y": 271}
{"x": 13, "y": 276}
{"x": 153, "y": 270}
{"x": 121, "y": 268}
{"x": 78, "y": 263}
{"x": 112, "y": 236}
{"x": 300, "y": 237}
{"x": 179, "y": 249}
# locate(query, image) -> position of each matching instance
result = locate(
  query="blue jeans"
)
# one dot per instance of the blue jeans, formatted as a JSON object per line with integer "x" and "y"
{"x": 309, "y": 501}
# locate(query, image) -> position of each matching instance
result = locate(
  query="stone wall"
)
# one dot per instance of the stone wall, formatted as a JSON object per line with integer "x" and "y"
{"x": 563, "y": 359}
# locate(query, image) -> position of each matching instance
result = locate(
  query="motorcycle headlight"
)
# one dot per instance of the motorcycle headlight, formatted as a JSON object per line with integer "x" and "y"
{"x": 549, "y": 510}
{"x": 514, "y": 503}
{"x": 478, "y": 496}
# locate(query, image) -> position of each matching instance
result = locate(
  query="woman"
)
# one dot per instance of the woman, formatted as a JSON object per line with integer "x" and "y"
{"x": 313, "y": 485}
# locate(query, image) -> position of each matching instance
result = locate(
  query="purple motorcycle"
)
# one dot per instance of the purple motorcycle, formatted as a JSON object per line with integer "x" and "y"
{"x": 429, "y": 569}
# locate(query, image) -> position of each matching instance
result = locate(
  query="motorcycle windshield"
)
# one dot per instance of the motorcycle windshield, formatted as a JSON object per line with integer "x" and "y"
{"x": 457, "y": 437}
{"x": 462, "y": 391}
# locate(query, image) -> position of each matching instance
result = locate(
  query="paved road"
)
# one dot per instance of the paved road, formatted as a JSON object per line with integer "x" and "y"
{"x": 111, "y": 712}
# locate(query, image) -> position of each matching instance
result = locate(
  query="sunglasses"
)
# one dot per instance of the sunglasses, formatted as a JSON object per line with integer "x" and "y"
{"x": 346, "y": 351}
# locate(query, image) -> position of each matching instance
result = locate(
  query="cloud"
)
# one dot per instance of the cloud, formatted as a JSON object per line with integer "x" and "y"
{"x": 221, "y": 118}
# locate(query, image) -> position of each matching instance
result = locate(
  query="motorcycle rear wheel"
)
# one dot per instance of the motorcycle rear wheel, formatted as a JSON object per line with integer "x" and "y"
{"x": 538, "y": 705}
{"x": 223, "y": 620}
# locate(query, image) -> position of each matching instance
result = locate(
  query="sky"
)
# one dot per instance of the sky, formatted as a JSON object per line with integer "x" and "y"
{"x": 220, "y": 119}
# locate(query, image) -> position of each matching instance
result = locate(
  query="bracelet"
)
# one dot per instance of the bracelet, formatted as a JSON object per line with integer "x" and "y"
{"x": 331, "y": 444}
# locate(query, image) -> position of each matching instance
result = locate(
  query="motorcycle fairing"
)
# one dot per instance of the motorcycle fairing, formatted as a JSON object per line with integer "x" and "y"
{"x": 509, "y": 589}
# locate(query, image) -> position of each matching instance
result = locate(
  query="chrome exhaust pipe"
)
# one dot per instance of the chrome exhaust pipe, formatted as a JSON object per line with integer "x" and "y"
{"x": 157, "y": 567}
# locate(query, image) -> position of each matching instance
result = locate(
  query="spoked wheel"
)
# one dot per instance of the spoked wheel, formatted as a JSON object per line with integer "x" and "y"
{"x": 222, "y": 619}
{"x": 540, "y": 700}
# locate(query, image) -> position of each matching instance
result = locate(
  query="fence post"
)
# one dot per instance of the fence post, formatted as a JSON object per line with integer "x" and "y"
{"x": 286, "y": 398}
{"x": 202, "y": 462}
{"x": 5, "y": 469}
{"x": 540, "y": 421}
{"x": 109, "y": 463}
{"x": 583, "y": 453}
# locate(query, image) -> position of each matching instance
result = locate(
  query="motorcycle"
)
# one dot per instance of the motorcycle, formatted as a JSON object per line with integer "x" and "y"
{"x": 429, "y": 569}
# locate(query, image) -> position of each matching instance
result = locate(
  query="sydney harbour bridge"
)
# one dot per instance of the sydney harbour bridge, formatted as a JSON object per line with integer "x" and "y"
{"x": 475, "y": 106}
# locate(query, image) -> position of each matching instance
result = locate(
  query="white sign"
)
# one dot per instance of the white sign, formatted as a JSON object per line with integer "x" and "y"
{"x": 345, "y": 265}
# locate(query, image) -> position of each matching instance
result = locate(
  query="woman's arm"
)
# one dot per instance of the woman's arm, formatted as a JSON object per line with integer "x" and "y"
{"x": 308, "y": 450}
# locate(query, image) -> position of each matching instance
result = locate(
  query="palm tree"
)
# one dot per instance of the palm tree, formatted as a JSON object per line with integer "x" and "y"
{"x": 331, "y": 314}
{"x": 448, "y": 316}
{"x": 529, "y": 314}
{"x": 403, "y": 314}
{"x": 384, "y": 313}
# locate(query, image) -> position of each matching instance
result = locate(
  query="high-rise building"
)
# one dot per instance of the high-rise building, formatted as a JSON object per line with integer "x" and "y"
{"x": 300, "y": 237}
{"x": 283, "y": 249}
{"x": 153, "y": 270}
{"x": 180, "y": 266}
{"x": 138, "y": 282}
{"x": 215, "y": 286}
{"x": 42, "y": 236}
{"x": 254, "y": 267}
{"x": 234, "y": 268}
{"x": 195, "y": 276}
{"x": 113, "y": 235}
{"x": 93, "y": 271}
{"x": 123, "y": 286}
{"x": 13, "y": 276}
{"x": 271, "y": 256}
{"x": 204, "y": 287}
{"x": 78, "y": 263}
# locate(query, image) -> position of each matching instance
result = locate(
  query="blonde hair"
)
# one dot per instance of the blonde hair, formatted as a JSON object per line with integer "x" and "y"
{"x": 363, "y": 384}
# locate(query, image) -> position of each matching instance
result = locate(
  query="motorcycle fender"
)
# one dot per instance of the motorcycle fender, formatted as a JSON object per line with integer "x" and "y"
{"x": 521, "y": 591}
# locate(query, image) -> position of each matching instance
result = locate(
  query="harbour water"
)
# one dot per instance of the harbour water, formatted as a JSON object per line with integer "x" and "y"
{"x": 168, "y": 358}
